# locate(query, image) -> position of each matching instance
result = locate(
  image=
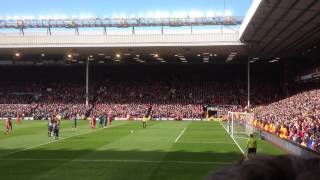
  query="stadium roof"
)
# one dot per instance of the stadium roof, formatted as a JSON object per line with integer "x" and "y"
{"x": 101, "y": 55}
{"x": 272, "y": 29}
{"x": 282, "y": 28}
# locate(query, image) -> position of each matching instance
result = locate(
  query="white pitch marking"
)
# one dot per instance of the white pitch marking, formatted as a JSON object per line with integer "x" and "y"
{"x": 241, "y": 137}
{"x": 31, "y": 147}
{"x": 195, "y": 142}
{"x": 233, "y": 139}
{"x": 177, "y": 139}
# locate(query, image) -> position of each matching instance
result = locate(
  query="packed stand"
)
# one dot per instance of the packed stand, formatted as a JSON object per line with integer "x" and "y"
{"x": 41, "y": 100}
{"x": 296, "y": 118}
{"x": 176, "y": 98}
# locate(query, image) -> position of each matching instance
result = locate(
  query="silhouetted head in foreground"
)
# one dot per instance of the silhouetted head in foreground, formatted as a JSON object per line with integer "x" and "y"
{"x": 271, "y": 168}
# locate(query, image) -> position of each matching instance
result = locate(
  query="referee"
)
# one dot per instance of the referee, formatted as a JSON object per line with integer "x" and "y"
{"x": 251, "y": 146}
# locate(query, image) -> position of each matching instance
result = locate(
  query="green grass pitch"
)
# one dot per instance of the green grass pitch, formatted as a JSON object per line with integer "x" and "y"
{"x": 164, "y": 150}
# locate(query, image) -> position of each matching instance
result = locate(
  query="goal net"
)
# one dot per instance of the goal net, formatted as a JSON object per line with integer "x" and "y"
{"x": 239, "y": 124}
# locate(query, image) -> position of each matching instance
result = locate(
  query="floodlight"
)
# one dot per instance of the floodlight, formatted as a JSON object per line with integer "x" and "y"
{"x": 133, "y": 16}
{"x": 43, "y": 17}
{"x": 195, "y": 14}
{"x": 86, "y": 16}
{"x": 274, "y": 60}
{"x": 179, "y": 14}
{"x": 210, "y": 13}
{"x": 227, "y": 13}
{"x": 161, "y": 14}
{"x": 115, "y": 16}
{"x": 16, "y": 17}
{"x": 123, "y": 16}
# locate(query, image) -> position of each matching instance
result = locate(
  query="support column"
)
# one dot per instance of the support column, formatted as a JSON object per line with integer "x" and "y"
{"x": 248, "y": 105}
{"x": 87, "y": 82}
{"x": 21, "y": 32}
{"x": 105, "y": 30}
{"x": 76, "y": 30}
{"x": 133, "y": 30}
{"x": 49, "y": 31}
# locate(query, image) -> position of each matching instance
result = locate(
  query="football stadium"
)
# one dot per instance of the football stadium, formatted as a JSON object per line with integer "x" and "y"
{"x": 213, "y": 89}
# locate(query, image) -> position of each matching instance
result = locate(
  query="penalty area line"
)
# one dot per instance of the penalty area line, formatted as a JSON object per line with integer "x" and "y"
{"x": 179, "y": 136}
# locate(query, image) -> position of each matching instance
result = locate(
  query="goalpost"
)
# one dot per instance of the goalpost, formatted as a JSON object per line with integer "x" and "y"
{"x": 240, "y": 124}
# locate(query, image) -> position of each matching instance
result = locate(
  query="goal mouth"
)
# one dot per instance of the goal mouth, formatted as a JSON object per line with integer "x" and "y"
{"x": 240, "y": 124}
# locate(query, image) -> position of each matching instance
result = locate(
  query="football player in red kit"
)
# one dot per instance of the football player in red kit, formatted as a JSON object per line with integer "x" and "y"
{"x": 93, "y": 122}
{"x": 18, "y": 120}
{"x": 109, "y": 120}
{"x": 8, "y": 125}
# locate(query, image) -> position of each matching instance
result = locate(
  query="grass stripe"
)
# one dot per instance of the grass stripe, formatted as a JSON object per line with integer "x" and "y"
{"x": 119, "y": 153}
{"x": 50, "y": 142}
{"x": 118, "y": 160}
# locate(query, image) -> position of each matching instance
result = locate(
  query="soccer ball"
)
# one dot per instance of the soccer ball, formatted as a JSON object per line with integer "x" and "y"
{"x": 131, "y": 131}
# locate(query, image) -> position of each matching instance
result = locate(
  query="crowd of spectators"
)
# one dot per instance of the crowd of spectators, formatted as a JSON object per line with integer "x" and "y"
{"x": 296, "y": 118}
{"x": 16, "y": 110}
{"x": 120, "y": 110}
{"x": 173, "y": 98}
{"x": 41, "y": 100}
{"x": 177, "y": 111}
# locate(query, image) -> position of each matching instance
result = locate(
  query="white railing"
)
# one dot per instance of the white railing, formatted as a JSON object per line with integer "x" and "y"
{"x": 120, "y": 40}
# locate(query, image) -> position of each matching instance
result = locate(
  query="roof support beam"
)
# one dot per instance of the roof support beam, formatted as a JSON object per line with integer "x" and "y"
{"x": 285, "y": 27}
